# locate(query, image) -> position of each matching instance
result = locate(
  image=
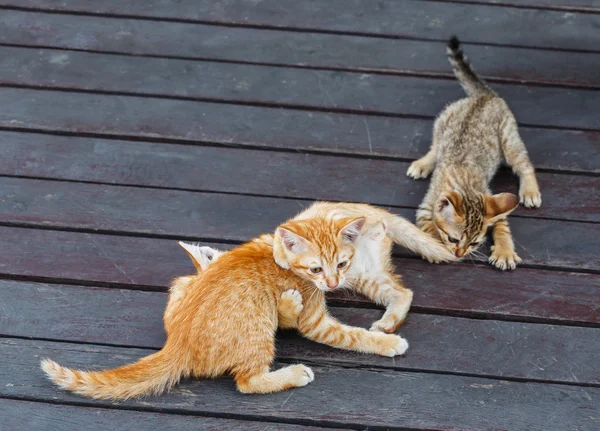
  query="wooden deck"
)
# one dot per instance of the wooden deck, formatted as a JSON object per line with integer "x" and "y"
{"x": 127, "y": 125}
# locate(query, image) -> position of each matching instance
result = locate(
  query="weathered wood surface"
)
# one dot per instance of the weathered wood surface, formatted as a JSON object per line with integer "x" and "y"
{"x": 180, "y": 214}
{"x": 345, "y": 91}
{"x": 389, "y": 18}
{"x": 300, "y": 49}
{"x": 438, "y": 343}
{"x": 32, "y": 416}
{"x": 289, "y": 175}
{"x": 143, "y": 263}
{"x": 336, "y": 397}
{"x": 574, "y": 5}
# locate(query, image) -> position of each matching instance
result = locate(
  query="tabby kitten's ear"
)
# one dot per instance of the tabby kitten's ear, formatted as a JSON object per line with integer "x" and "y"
{"x": 499, "y": 206}
{"x": 450, "y": 207}
{"x": 285, "y": 242}
{"x": 351, "y": 231}
{"x": 378, "y": 231}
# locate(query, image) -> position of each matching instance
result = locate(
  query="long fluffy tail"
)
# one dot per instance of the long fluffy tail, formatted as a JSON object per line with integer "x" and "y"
{"x": 150, "y": 375}
{"x": 469, "y": 80}
{"x": 406, "y": 234}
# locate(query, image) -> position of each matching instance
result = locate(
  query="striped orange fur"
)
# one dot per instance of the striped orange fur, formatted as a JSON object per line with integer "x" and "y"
{"x": 225, "y": 321}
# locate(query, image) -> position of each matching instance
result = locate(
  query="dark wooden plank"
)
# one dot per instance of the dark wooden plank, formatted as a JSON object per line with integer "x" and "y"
{"x": 397, "y": 18}
{"x": 529, "y": 294}
{"x": 300, "y": 49}
{"x": 346, "y": 91}
{"x": 336, "y": 397}
{"x": 34, "y": 416}
{"x": 193, "y": 122}
{"x": 291, "y": 175}
{"x": 567, "y": 5}
{"x": 130, "y": 318}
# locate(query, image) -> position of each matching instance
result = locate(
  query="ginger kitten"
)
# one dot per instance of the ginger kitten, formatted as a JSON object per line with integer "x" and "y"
{"x": 227, "y": 318}
{"x": 471, "y": 137}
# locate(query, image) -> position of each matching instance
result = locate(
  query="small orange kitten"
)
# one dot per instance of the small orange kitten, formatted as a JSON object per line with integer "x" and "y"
{"x": 471, "y": 137}
{"x": 227, "y": 317}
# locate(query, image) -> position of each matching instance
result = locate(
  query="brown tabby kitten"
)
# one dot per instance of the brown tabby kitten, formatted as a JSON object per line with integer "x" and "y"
{"x": 471, "y": 137}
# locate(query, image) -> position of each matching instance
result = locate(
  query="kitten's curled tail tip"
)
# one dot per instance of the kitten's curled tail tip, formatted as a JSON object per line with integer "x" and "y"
{"x": 454, "y": 48}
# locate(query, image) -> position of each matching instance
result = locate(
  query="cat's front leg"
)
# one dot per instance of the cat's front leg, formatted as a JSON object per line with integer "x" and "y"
{"x": 317, "y": 325}
{"x": 289, "y": 308}
{"x": 387, "y": 289}
{"x": 503, "y": 255}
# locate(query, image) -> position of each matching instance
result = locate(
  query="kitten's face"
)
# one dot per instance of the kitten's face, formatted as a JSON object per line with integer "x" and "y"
{"x": 318, "y": 250}
{"x": 462, "y": 221}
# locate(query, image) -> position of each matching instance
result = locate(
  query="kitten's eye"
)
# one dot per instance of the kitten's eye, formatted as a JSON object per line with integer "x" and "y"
{"x": 342, "y": 264}
{"x": 474, "y": 244}
{"x": 316, "y": 269}
{"x": 453, "y": 240}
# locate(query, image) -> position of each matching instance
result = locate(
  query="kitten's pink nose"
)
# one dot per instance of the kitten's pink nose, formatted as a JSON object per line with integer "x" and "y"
{"x": 332, "y": 283}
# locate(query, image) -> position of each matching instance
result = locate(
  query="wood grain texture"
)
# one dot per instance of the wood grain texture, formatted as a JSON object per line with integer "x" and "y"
{"x": 395, "y": 18}
{"x": 196, "y": 122}
{"x": 198, "y": 41}
{"x": 438, "y": 343}
{"x": 289, "y": 175}
{"x": 336, "y": 397}
{"x": 567, "y": 5}
{"x": 35, "y": 416}
{"x": 135, "y": 263}
{"x": 311, "y": 89}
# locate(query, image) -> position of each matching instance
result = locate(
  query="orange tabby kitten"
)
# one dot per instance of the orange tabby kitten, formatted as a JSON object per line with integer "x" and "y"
{"x": 226, "y": 321}
{"x": 471, "y": 137}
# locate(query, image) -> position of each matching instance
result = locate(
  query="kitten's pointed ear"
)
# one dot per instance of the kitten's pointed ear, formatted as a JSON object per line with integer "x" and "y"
{"x": 500, "y": 205}
{"x": 378, "y": 231}
{"x": 450, "y": 205}
{"x": 201, "y": 256}
{"x": 292, "y": 242}
{"x": 351, "y": 230}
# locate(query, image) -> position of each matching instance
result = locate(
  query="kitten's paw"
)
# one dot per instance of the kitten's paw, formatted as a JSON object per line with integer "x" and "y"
{"x": 391, "y": 345}
{"x": 530, "y": 198}
{"x": 291, "y": 301}
{"x": 419, "y": 170}
{"x": 302, "y": 374}
{"x": 432, "y": 259}
{"x": 504, "y": 259}
{"x": 387, "y": 324}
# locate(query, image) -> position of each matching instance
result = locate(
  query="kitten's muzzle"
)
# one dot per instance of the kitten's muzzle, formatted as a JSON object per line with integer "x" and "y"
{"x": 332, "y": 283}
{"x": 460, "y": 252}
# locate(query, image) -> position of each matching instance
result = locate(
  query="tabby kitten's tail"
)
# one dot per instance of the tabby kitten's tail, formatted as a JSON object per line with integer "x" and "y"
{"x": 469, "y": 80}
{"x": 150, "y": 375}
{"x": 406, "y": 234}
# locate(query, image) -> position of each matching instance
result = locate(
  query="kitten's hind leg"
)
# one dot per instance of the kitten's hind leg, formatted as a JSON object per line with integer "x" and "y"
{"x": 265, "y": 381}
{"x": 387, "y": 290}
{"x": 516, "y": 156}
{"x": 503, "y": 251}
{"x": 423, "y": 167}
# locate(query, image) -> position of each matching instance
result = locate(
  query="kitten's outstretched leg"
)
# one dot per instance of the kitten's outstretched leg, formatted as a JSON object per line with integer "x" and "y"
{"x": 317, "y": 325}
{"x": 516, "y": 156}
{"x": 387, "y": 290}
{"x": 503, "y": 251}
{"x": 289, "y": 309}
{"x": 423, "y": 167}
{"x": 266, "y": 381}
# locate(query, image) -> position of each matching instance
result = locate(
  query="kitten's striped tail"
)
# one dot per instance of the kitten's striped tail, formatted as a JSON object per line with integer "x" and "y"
{"x": 406, "y": 234}
{"x": 469, "y": 80}
{"x": 150, "y": 375}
